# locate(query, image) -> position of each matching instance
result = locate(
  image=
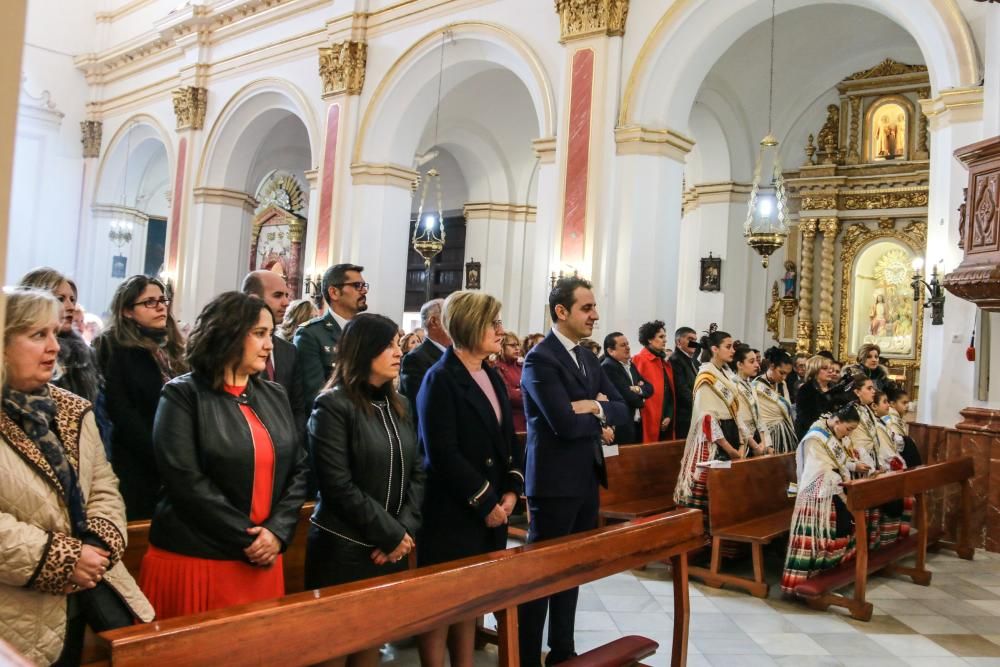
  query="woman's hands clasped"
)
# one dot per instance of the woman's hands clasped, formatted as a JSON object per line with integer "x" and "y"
{"x": 404, "y": 547}
{"x": 89, "y": 569}
{"x": 265, "y": 548}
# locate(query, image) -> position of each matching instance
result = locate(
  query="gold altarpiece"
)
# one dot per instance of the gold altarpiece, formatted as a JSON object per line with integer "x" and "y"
{"x": 860, "y": 204}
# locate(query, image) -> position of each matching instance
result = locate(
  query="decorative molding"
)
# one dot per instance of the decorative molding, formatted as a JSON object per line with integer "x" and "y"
{"x": 545, "y": 149}
{"x": 887, "y": 67}
{"x": 122, "y": 11}
{"x": 392, "y": 175}
{"x": 225, "y": 197}
{"x": 119, "y": 212}
{"x": 824, "y": 329}
{"x": 819, "y": 202}
{"x": 716, "y": 193}
{"x": 894, "y": 198}
{"x": 637, "y": 140}
{"x": 583, "y": 18}
{"x": 190, "y": 104}
{"x": 498, "y": 212}
{"x": 312, "y": 177}
{"x": 342, "y": 68}
{"x": 955, "y": 105}
{"x": 804, "y": 329}
{"x": 91, "y": 132}
{"x": 37, "y": 107}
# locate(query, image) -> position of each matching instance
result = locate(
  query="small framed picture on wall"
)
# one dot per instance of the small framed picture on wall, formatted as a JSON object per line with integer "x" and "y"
{"x": 473, "y": 273}
{"x": 711, "y": 274}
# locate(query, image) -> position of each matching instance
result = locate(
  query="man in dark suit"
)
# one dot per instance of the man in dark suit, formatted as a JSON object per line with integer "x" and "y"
{"x": 685, "y": 364}
{"x": 569, "y": 404}
{"x": 634, "y": 390}
{"x": 415, "y": 364}
{"x": 346, "y": 294}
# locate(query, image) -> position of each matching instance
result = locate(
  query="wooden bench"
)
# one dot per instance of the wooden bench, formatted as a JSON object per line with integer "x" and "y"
{"x": 313, "y": 626}
{"x": 748, "y": 503}
{"x": 641, "y": 481}
{"x": 865, "y": 494}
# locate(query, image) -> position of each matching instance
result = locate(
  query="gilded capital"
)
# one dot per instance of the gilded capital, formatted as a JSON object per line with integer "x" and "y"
{"x": 342, "y": 67}
{"x": 90, "y": 131}
{"x": 808, "y": 226}
{"x": 829, "y": 226}
{"x": 582, "y": 18}
{"x": 190, "y": 103}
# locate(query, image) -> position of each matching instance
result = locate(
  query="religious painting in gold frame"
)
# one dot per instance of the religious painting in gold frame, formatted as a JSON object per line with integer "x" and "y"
{"x": 888, "y": 129}
{"x": 876, "y": 298}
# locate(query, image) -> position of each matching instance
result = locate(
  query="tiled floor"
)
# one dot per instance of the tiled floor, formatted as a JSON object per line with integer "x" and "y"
{"x": 955, "y": 621}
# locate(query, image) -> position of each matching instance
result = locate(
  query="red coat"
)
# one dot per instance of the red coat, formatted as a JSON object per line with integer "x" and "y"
{"x": 652, "y": 368}
{"x": 510, "y": 373}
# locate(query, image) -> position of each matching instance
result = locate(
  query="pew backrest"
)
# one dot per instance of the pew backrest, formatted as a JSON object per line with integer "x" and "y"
{"x": 863, "y": 494}
{"x": 642, "y": 471}
{"x": 749, "y": 489}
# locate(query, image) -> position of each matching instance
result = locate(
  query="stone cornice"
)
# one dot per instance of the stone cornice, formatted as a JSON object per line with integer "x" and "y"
{"x": 585, "y": 18}
{"x": 498, "y": 211}
{"x": 636, "y": 140}
{"x": 225, "y": 197}
{"x": 715, "y": 193}
{"x": 955, "y": 105}
{"x": 119, "y": 212}
{"x": 342, "y": 68}
{"x": 393, "y": 175}
{"x": 545, "y": 149}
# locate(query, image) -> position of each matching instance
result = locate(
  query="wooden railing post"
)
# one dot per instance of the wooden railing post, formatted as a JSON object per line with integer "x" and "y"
{"x": 682, "y": 609}
{"x": 507, "y": 637}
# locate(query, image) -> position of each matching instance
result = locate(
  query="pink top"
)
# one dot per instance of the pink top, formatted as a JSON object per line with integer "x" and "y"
{"x": 483, "y": 380}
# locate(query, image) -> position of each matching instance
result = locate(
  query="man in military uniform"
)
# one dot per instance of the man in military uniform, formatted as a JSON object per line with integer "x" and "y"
{"x": 345, "y": 293}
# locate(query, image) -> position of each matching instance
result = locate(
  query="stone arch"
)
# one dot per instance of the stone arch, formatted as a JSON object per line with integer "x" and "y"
{"x": 660, "y": 90}
{"x": 390, "y": 127}
{"x": 147, "y": 133}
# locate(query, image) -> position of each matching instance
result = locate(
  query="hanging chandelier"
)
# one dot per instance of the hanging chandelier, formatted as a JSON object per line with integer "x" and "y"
{"x": 428, "y": 230}
{"x": 120, "y": 230}
{"x": 766, "y": 226}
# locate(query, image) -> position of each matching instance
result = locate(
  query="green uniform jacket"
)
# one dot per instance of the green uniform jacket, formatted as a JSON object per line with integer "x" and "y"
{"x": 316, "y": 341}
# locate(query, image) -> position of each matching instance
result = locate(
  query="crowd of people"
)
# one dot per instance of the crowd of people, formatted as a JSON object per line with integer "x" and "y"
{"x": 406, "y": 441}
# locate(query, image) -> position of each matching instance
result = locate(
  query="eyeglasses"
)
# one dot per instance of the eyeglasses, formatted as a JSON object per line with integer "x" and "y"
{"x": 153, "y": 302}
{"x": 498, "y": 324}
{"x": 359, "y": 285}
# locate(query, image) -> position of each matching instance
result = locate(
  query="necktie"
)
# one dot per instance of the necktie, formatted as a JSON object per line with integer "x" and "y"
{"x": 578, "y": 351}
{"x": 269, "y": 369}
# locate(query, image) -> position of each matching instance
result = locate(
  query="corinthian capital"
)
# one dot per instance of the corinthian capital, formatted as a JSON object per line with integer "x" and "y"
{"x": 190, "y": 103}
{"x": 90, "y": 131}
{"x": 581, "y": 18}
{"x": 342, "y": 67}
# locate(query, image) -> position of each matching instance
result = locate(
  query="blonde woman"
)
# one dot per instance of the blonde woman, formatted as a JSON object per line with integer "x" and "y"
{"x": 62, "y": 521}
{"x": 813, "y": 397}
{"x": 298, "y": 313}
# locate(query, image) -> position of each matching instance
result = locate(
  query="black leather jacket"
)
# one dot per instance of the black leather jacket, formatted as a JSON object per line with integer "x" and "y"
{"x": 371, "y": 486}
{"x": 202, "y": 445}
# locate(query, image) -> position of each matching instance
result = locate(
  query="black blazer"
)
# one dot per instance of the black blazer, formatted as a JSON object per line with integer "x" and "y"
{"x": 202, "y": 444}
{"x": 563, "y": 452}
{"x": 370, "y": 492}
{"x": 809, "y": 405}
{"x": 623, "y": 381}
{"x": 414, "y": 367}
{"x": 289, "y": 376}
{"x": 471, "y": 460}
{"x": 132, "y": 384}
{"x": 685, "y": 372}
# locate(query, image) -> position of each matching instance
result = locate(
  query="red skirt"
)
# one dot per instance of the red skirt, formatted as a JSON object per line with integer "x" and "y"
{"x": 178, "y": 585}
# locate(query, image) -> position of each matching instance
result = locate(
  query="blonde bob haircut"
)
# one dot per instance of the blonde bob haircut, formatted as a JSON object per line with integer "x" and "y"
{"x": 815, "y": 364}
{"x": 466, "y": 315}
{"x": 27, "y": 308}
{"x": 866, "y": 349}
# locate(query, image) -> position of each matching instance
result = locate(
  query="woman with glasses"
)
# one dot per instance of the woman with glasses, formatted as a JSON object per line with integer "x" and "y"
{"x": 138, "y": 353}
{"x": 471, "y": 456}
{"x": 233, "y": 467}
{"x": 509, "y": 368}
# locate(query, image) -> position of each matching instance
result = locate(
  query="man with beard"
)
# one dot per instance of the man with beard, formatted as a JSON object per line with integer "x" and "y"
{"x": 345, "y": 293}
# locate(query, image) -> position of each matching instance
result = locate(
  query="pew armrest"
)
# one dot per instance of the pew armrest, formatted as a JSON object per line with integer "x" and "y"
{"x": 623, "y": 651}
{"x": 640, "y": 507}
{"x": 762, "y": 530}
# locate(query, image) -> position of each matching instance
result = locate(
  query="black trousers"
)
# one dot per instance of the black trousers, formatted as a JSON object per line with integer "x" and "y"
{"x": 552, "y": 518}
{"x": 101, "y": 609}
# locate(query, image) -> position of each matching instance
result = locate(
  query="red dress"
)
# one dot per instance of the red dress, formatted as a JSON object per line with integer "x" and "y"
{"x": 178, "y": 585}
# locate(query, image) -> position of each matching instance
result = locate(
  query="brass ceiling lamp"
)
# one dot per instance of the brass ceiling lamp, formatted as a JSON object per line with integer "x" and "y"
{"x": 428, "y": 230}
{"x": 766, "y": 226}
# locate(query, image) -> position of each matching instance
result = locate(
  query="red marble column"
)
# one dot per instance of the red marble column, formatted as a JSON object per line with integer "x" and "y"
{"x": 177, "y": 207}
{"x": 322, "y": 254}
{"x": 578, "y": 157}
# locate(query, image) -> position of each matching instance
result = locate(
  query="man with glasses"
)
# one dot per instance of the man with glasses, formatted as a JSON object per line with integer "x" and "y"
{"x": 345, "y": 293}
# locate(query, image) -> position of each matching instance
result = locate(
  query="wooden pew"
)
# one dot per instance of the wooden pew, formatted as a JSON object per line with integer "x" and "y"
{"x": 641, "y": 480}
{"x": 748, "y": 503}
{"x": 314, "y": 626}
{"x": 865, "y": 494}
{"x": 294, "y": 557}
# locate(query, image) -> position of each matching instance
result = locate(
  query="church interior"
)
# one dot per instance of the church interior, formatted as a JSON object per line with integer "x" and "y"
{"x": 811, "y": 175}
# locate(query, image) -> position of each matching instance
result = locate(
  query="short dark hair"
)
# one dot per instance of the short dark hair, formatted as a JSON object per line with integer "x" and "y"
{"x": 216, "y": 341}
{"x": 847, "y": 414}
{"x": 828, "y": 354}
{"x": 894, "y": 392}
{"x": 563, "y": 293}
{"x": 776, "y": 356}
{"x": 683, "y": 331}
{"x": 334, "y": 277}
{"x": 611, "y": 340}
{"x": 649, "y": 330}
{"x": 252, "y": 284}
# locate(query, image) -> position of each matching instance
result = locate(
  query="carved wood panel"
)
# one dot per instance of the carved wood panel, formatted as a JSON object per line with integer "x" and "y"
{"x": 984, "y": 212}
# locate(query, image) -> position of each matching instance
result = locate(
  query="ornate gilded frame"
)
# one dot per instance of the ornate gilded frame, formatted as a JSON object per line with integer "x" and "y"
{"x": 912, "y": 129}
{"x": 855, "y": 239}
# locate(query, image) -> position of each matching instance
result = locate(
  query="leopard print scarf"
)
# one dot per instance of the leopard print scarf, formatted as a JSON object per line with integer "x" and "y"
{"x": 35, "y": 414}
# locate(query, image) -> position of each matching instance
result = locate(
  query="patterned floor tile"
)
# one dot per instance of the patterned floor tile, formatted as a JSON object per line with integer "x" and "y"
{"x": 934, "y": 625}
{"x": 788, "y": 643}
{"x": 969, "y": 646}
{"x": 910, "y": 646}
{"x": 844, "y": 645}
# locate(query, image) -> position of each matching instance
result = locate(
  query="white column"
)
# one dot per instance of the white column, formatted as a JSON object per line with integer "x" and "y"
{"x": 380, "y": 241}
{"x": 220, "y": 258}
{"x": 100, "y": 286}
{"x": 947, "y": 382}
{"x": 534, "y": 283}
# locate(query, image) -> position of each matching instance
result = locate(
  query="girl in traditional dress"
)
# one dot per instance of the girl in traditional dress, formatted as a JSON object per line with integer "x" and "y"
{"x": 716, "y": 430}
{"x": 899, "y": 405}
{"x": 747, "y": 367}
{"x": 821, "y": 535}
{"x": 775, "y": 402}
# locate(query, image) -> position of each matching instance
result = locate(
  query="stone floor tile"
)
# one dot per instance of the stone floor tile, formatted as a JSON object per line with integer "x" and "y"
{"x": 642, "y": 623}
{"x": 788, "y": 643}
{"x": 740, "y": 660}
{"x": 968, "y": 646}
{"x": 967, "y": 591}
{"x": 742, "y": 605}
{"x": 726, "y": 643}
{"x": 880, "y": 625}
{"x": 841, "y": 644}
{"x": 908, "y": 607}
{"x": 595, "y": 620}
{"x": 754, "y": 623}
{"x": 630, "y": 603}
{"x": 991, "y": 607}
{"x": 808, "y": 661}
{"x": 934, "y": 625}
{"x": 869, "y": 661}
{"x": 935, "y": 662}
{"x": 825, "y": 624}
{"x": 910, "y": 646}
{"x": 982, "y": 625}
{"x": 983, "y": 662}
{"x": 656, "y": 587}
{"x": 953, "y": 608}
{"x": 914, "y": 592}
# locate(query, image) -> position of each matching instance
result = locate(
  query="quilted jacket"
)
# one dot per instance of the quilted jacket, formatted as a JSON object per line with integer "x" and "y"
{"x": 37, "y": 552}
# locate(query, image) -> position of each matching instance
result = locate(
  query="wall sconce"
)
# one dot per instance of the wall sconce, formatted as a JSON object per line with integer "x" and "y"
{"x": 120, "y": 232}
{"x": 935, "y": 292}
